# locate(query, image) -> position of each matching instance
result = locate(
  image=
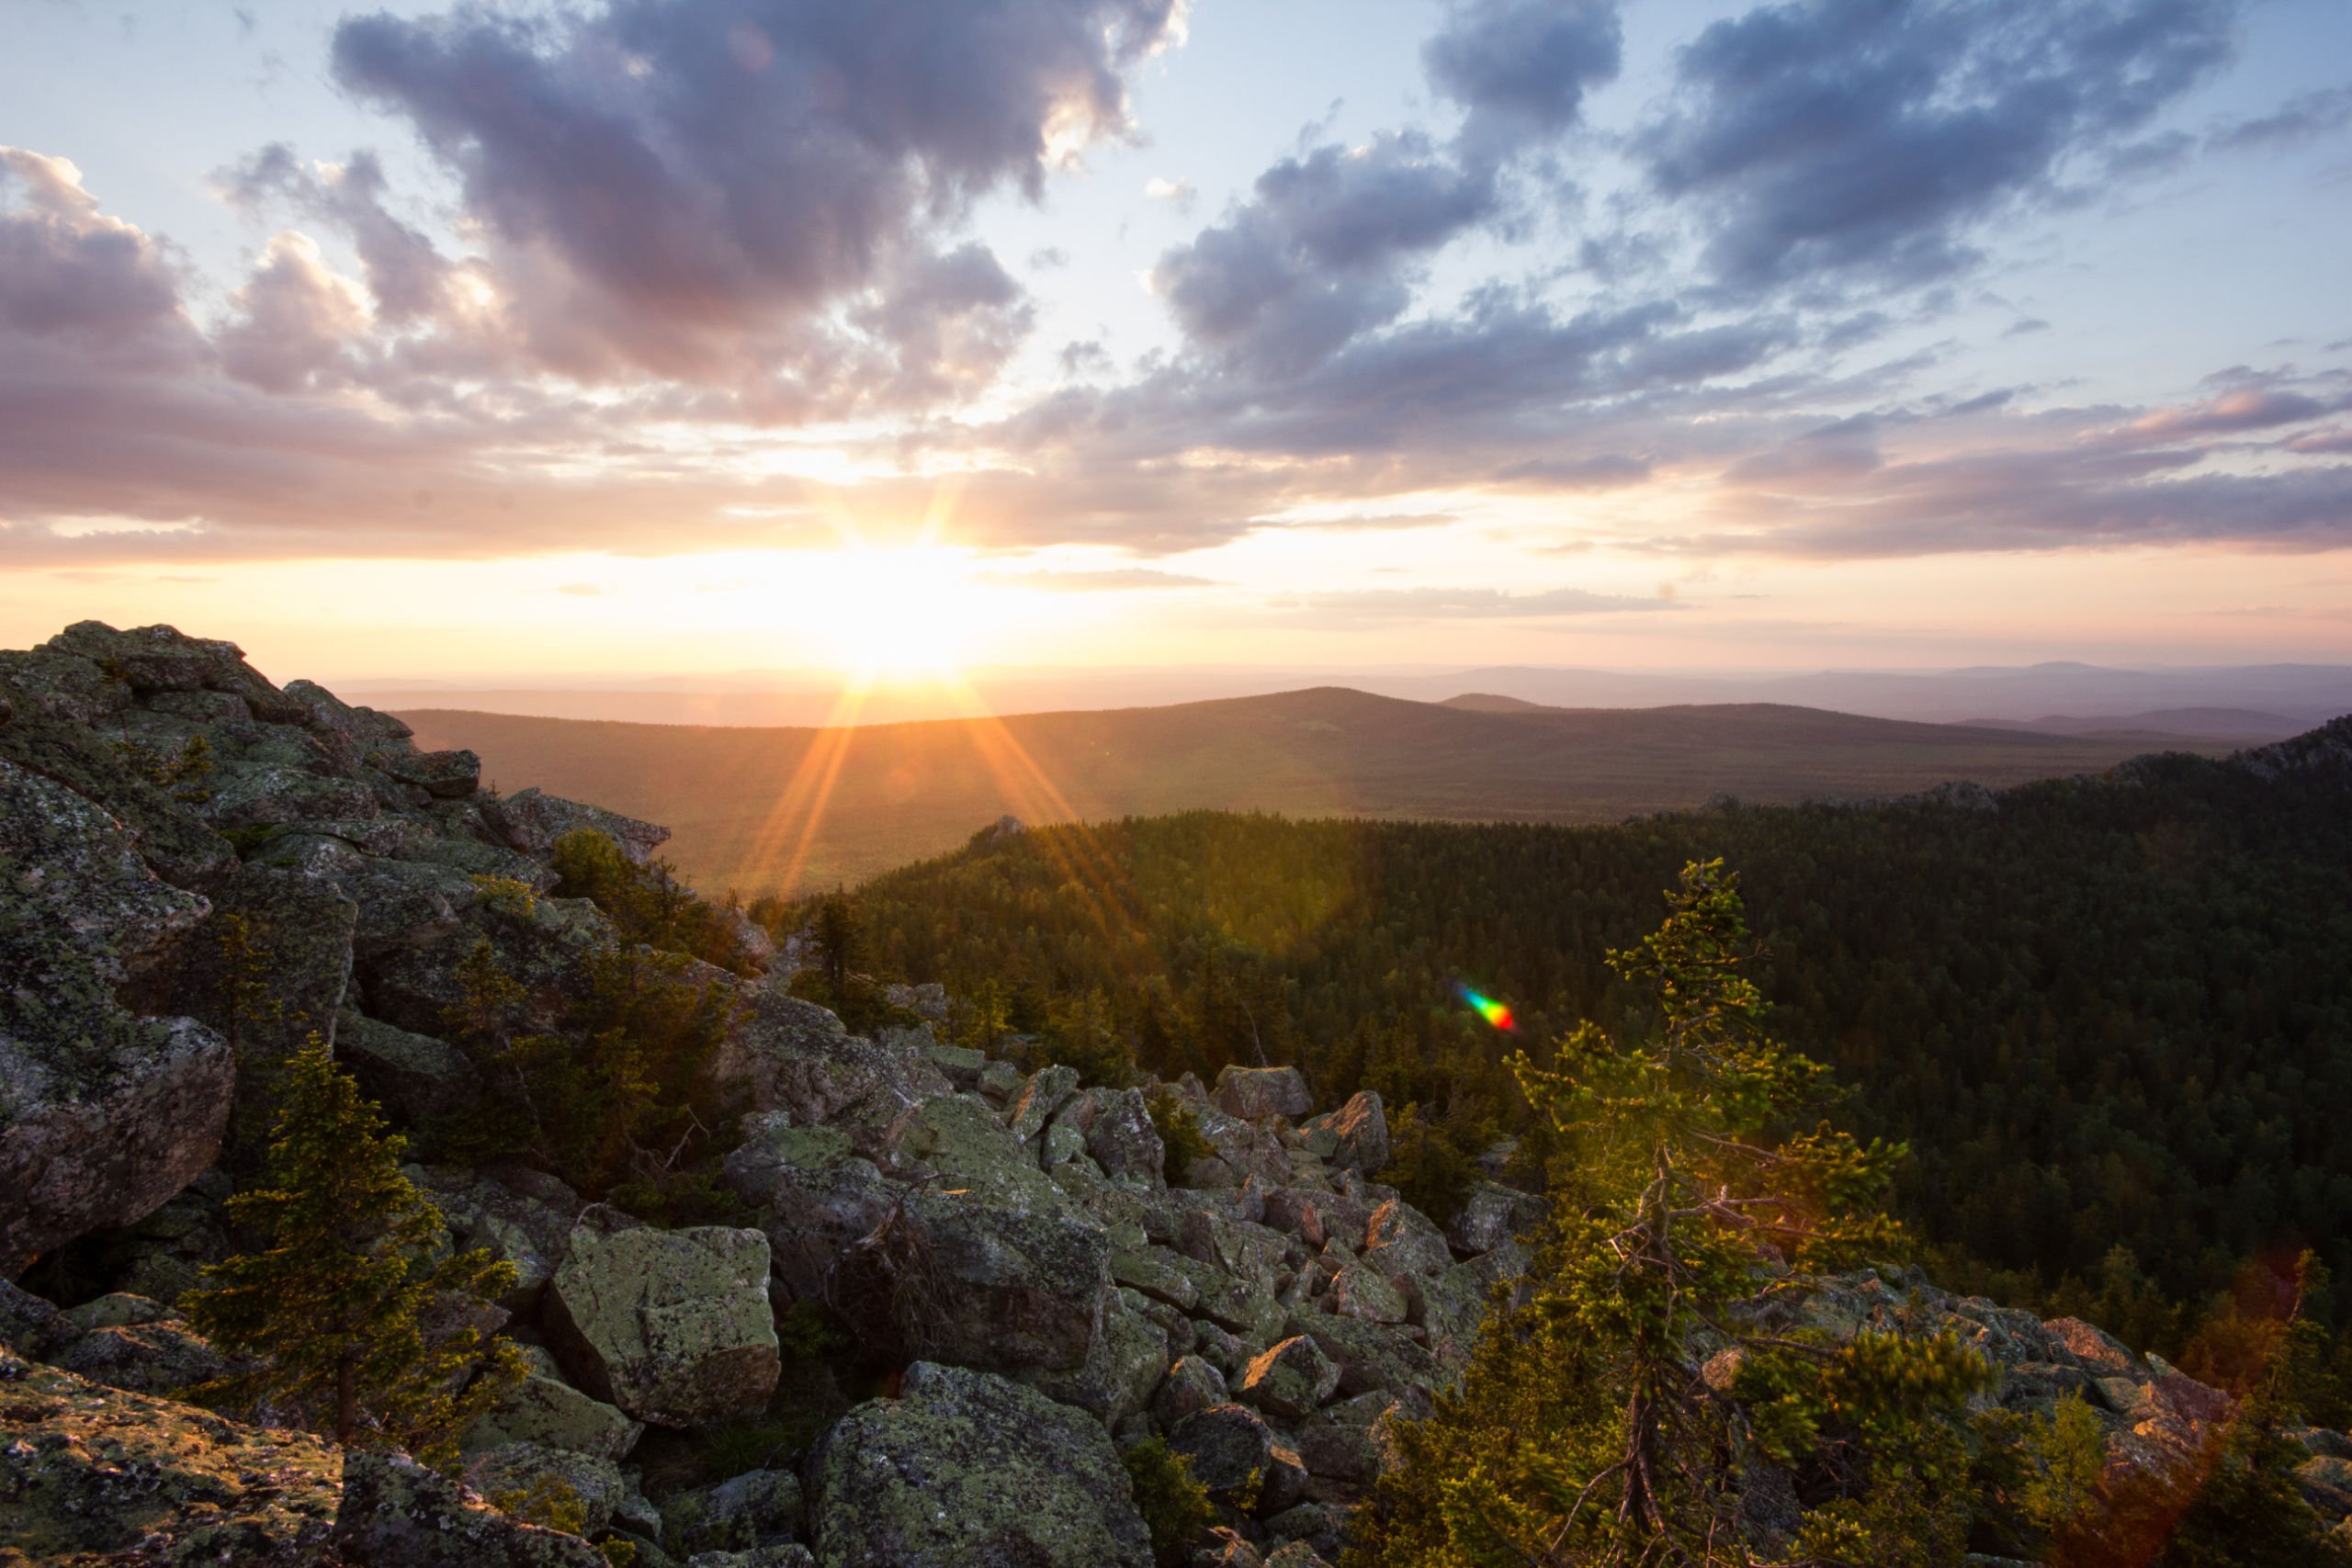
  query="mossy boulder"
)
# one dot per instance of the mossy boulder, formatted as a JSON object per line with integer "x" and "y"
{"x": 969, "y": 1469}
{"x": 672, "y": 1326}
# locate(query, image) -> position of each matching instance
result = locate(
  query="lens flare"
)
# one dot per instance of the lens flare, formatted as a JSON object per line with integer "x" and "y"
{"x": 1494, "y": 1012}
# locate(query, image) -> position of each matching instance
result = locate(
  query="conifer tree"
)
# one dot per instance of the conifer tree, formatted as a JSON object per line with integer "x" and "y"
{"x": 1587, "y": 1432}
{"x": 348, "y": 1324}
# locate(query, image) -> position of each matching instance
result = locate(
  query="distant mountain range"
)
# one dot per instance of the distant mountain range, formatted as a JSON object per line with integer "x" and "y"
{"x": 2286, "y": 698}
{"x": 788, "y": 809}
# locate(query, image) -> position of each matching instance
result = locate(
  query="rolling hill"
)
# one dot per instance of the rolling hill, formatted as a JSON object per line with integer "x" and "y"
{"x": 787, "y": 810}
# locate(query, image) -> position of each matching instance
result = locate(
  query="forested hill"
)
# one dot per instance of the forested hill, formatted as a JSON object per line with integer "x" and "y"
{"x": 789, "y": 810}
{"x": 2111, "y": 1013}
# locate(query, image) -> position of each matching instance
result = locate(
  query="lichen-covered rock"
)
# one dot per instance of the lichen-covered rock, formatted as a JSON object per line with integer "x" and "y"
{"x": 91, "y": 1474}
{"x": 144, "y": 1358}
{"x": 532, "y": 822}
{"x": 1364, "y": 1293}
{"x": 792, "y": 1056}
{"x": 966, "y": 1469}
{"x": 786, "y": 1555}
{"x": 517, "y": 1471}
{"x": 551, "y": 1413}
{"x": 1043, "y": 1095}
{"x": 1126, "y": 1362}
{"x": 1359, "y": 1132}
{"x": 760, "y": 1507}
{"x": 1192, "y": 1386}
{"x": 1402, "y": 1240}
{"x": 1289, "y": 1380}
{"x": 1373, "y": 1358}
{"x": 445, "y": 774}
{"x": 672, "y": 1326}
{"x": 397, "y": 1513}
{"x": 415, "y": 1077}
{"x": 1115, "y": 1128}
{"x": 817, "y": 1196}
{"x": 32, "y": 1327}
{"x": 1235, "y": 1455}
{"x": 1493, "y": 1214}
{"x": 1255, "y": 1093}
{"x": 104, "y": 1114}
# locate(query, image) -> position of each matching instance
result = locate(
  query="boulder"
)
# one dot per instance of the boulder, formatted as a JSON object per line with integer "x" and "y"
{"x": 787, "y": 1555}
{"x": 1192, "y": 1386}
{"x": 32, "y": 1327}
{"x": 273, "y": 964}
{"x": 787, "y": 1054}
{"x": 1115, "y": 1129}
{"x": 1493, "y": 1214}
{"x": 1236, "y": 1456}
{"x": 672, "y": 1326}
{"x": 1402, "y": 1240}
{"x": 1360, "y": 1133}
{"x": 519, "y": 1215}
{"x": 1040, "y": 1097}
{"x": 968, "y": 1469}
{"x": 1291, "y": 1380}
{"x": 549, "y": 1412}
{"x": 1255, "y": 1093}
{"x": 397, "y": 1513}
{"x": 509, "y": 1474}
{"x": 415, "y": 1077}
{"x": 144, "y": 1357}
{"x": 107, "y": 1113}
{"x": 532, "y": 822}
{"x": 817, "y": 1198}
{"x": 1126, "y": 1361}
{"x": 1373, "y": 1358}
{"x": 447, "y": 775}
{"x": 1364, "y": 1293}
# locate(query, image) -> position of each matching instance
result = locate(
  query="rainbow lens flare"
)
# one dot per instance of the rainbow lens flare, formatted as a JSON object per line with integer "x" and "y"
{"x": 1494, "y": 1012}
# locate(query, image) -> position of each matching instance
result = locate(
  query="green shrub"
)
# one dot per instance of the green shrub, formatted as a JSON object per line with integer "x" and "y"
{"x": 1174, "y": 1507}
{"x": 1180, "y": 1136}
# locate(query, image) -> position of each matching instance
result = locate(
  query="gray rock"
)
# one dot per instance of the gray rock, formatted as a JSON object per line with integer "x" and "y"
{"x": 1043, "y": 1094}
{"x": 527, "y": 1224}
{"x": 1364, "y": 1293}
{"x": 415, "y": 1077}
{"x": 144, "y": 1357}
{"x": 1126, "y": 1362}
{"x": 1193, "y": 1384}
{"x": 523, "y": 1468}
{"x": 966, "y": 1469}
{"x": 397, "y": 1513}
{"x": 1255, "y": 1093}
{"x": 1493, "y": 1214}
{"x": 447, "y": 775}
{"x": 1402, "y": 1240}
{"x": 1291, "y": 1380}
{"x": 1234, "y": 1453}
{"x": 817, "y": 1198}
{"x": 672, "y": 1326}
{"x": 786, "y": 1555}
{"x": 532, "y": 822}
{"x": 32, "y": 1327}
{"x": 1360, "y": 1132}
{"x": 104, "y": 1114}
{"x": 546, "y": 1410}
{"x": 792, "y": 1056}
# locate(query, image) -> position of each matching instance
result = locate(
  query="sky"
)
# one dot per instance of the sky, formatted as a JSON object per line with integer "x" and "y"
{"x": 665, "y": 336}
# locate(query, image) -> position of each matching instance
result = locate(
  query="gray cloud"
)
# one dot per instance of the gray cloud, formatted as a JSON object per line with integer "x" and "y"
{"x": 1379, "y": 604}
{"x": 1521, "y": 68}
{"x": 1869, "y": 140}
{"x": 688, "y": 189}
{"x": 2304, "y": 117}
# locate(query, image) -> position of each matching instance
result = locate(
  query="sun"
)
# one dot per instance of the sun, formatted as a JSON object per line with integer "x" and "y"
{"x": 882, "y": 612}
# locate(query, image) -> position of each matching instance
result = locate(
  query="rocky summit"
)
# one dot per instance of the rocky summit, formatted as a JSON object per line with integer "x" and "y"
{"x": 1021, "y": 1289}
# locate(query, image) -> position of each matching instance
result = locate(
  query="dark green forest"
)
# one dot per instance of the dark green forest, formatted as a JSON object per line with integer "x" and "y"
{"x": 2112, "y": 1017}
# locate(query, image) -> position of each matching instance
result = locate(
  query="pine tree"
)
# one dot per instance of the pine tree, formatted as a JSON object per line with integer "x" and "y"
{"x": 347, "y": 1322}
{"x": 1585, "y": 1432}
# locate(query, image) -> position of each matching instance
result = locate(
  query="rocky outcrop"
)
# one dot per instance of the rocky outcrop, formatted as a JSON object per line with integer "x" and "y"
{"x": 671, "y": 1326}
{"x": 968, "y": 1469}
{"x": 103, "y": 1113}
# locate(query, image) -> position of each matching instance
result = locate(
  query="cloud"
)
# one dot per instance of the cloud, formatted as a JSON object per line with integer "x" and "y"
{"x": 1319, "y": 253}
{"x": 693, "y": 191}
{"x": 1115, "y": 580}
{"x": 2252, "y": 408}
{"x": 582, "y": 590}
{"x": 1177, "y": 192}
{"x": 1869, "y": 142}
{"x": 2304, "y": 118}
{"x": 1379, "y": 604}
{"x": 294, "y": 320}
{"x": 1521, "y": 68}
